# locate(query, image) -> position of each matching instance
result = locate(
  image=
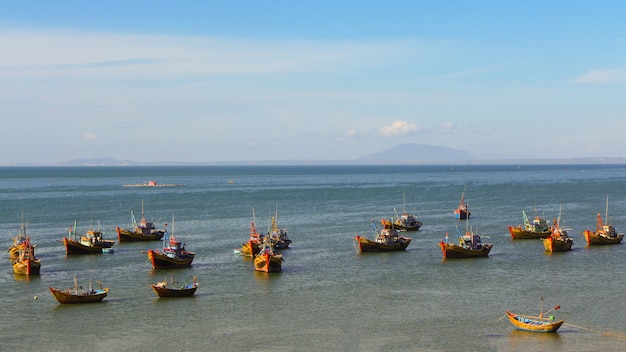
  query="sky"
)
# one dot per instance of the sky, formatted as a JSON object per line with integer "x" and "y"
{"x": 228, "y": 81}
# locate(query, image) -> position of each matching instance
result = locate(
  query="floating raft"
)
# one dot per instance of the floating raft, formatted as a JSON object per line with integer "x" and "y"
{"x": 154, "y": 184}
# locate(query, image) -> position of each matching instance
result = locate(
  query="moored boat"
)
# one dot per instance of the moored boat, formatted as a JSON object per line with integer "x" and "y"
{"x": 386, "y": 240}
{"x": 173, "y": 254}
{"x": 171, "y": 289}
{"x": 90, "y": 243}
{"x": 536, "y": 323}
{"x": 605, "y": 233}
{"x": 26, "y": 263}
{"x": 470, "y": 246}
{"x": 253, "y": 246}
{"x": 538, "y": 228}
{"x": 268, "y": 261}
{"x": 278, "y": 235}
{"x": 18, "y": 243}
{"x": 559, "y": 240}
{"x": 143, "y": 230}
{"x": 403, "y": 222}
{"x": 77, "y": 294}
{"x": 462, "y": 211}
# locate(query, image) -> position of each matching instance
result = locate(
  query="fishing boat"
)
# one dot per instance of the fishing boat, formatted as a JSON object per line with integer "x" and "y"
{"x": 153, "y": 183}
{"x": 462, "y": 212}
{"x": 404, "y": 221}
{"x": 173, "y": 254}
{"x": 278, "y": 235}
{"x": 470, "y": 246}
{"x": 26, "y": 262}
{"x": 77, "y": 294}
{"x": 538, "y": 228}
{"x": 171, "y": 289}
{"x": 18, "y": 243}
{"x": 266, "y": 260}
{"x": 142, "y": 230}
{"x": 536, "y": 323}
{"x": 253, "y": 246}
{"x": 605, "y": 233}
{"x": 559, "y": 240}
{"x": 89, "y": 243}
{"x": 386, "y": 240}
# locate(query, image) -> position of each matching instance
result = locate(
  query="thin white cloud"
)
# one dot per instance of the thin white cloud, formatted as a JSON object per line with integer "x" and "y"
{"x": 600, "y": 77}
{"x": 449, "y": 126}
{"x": 353, "y": 132}
{"x": 89, "y": 136}
{"x": 398, "y": 128}
{"x": 85, "y": 54}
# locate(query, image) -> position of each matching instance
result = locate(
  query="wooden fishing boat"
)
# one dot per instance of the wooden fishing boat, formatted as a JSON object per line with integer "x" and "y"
{"x": 142, "y": 230}
{"x": 535, "y": 324}
{"x": 462, "y": 211}
{"x": 26, "y": 263}
{"x": 605, "y": 233}
{"x": 277, "y": 235}
{"x": 470, "y": 246}
{"x": 89, "y": 243}
{"x": 386, "y": 240}
{"x": 18, "y": 243}
{"x": 171, "y": 289}
{"x": 538, "y": 228}
{"x": 253, "y": 246}
{"x": 173, "y": 254}
{"x": 266, "y": 260}
{"x": 559, "y": 240}
{"x": 76, "y": 294}
{"x": 404, "y": 221}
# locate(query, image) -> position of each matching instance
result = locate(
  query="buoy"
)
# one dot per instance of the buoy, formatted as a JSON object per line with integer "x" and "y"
{"x": 35, "y": 298}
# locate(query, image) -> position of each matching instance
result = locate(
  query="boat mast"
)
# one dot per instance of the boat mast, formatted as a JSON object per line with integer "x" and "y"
{"x": 606, "y": 216}
{"x": 404, "y": 196}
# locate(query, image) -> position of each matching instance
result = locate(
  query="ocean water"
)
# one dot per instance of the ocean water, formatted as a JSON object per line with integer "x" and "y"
{"x": 328, "y": 297}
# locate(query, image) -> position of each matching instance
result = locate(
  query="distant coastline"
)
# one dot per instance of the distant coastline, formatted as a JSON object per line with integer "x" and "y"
{"x": 127, "y": 163}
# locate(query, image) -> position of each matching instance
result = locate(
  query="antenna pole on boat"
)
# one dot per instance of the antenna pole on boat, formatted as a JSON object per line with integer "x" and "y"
{"x": 606, "y": 215}
{"x": 404, "y": 198}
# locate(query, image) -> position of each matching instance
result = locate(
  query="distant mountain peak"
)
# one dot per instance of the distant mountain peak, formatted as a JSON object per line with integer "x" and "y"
{"x": 415, "y": 153}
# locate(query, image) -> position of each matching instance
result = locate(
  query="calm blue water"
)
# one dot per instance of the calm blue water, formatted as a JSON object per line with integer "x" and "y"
{"x": 327, "y": 297}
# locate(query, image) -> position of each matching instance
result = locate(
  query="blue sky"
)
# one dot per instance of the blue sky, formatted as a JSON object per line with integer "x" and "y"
{"x": 203, "y": 81}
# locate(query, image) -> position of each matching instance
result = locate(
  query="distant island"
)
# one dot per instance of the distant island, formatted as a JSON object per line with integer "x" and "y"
{"x": 402, "y": 154}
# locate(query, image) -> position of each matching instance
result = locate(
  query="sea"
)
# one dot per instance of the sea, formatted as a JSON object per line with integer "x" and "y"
{"x": 328, "y": 297}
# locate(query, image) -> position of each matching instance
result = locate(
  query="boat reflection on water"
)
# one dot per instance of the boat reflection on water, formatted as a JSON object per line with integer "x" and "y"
{"x": 521, "y": 340}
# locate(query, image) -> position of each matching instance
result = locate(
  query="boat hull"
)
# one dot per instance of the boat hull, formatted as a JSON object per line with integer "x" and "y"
{"x": 67, "y": 297}
{"x": 533, "y": 323}
{"x": 75, "y": 247}
{"x": 407, "y": 227}
{"x": 367, "y": 245}
{"x": 135, "y": 236}
{"x": 14, "y": 252}
{"x": 453, "y": 251}
{"x": 186, "y": 291}
{"x": 27, "y": 267}
{"x": 552, "y": 245}
{"x": 268, "y": 263}
{"x": 160, "y": 260}
{"x": 593, "y": 238}
{"x": 250, "y": 248}
{"x": 461, "y": 214}
{"x": 518, "y": 233}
